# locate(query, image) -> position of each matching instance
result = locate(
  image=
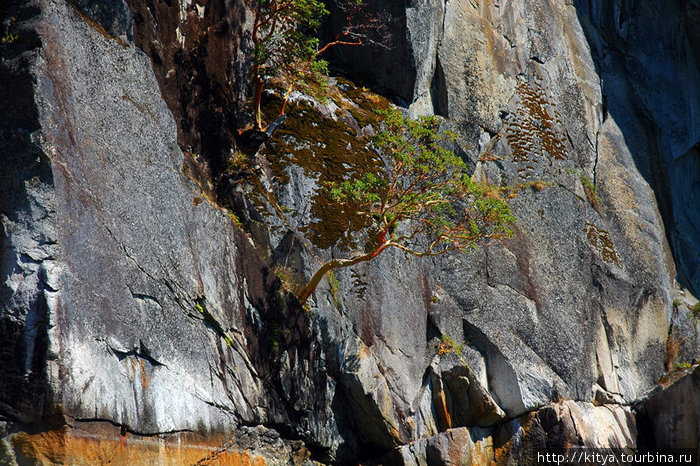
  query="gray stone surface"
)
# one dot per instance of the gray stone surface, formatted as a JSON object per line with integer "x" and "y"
{"x": 567, "y": 308}
{"x": 646, "y": 56}
{"x": 129, "y": 296}
{"x": 555, "y": 427}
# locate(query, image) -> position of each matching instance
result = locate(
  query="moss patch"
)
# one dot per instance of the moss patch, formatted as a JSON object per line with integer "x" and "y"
{"x": 328, "y": 150}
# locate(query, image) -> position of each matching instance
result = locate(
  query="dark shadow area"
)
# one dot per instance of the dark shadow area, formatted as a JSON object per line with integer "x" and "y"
{"x": 387, "y": 71}
{"x": 23, "y": 313}
{"x": 199, "y": 76}
{"x": 646, "y": 55}
{"x": 438, "y": 91}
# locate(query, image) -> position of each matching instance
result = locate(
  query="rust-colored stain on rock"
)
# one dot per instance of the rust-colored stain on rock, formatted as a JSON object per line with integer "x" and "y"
{"x": 107, "y": 446}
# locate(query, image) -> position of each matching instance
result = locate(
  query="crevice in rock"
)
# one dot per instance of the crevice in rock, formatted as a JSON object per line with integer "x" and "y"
{"x": 71, "y": 422}
{"x": 140, "y": 352}
{"x": 438, "y": 91}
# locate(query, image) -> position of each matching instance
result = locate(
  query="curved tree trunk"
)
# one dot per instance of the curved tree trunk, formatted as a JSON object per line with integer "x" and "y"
{"x": 310, "y": 287}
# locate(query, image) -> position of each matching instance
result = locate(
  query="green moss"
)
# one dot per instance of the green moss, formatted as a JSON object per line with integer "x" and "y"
{"x": 696, "y": 309}
{"x": 328, "y": 151}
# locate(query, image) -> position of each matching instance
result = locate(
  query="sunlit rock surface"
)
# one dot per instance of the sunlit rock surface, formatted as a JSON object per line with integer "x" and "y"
{"x": 138, "y": 320}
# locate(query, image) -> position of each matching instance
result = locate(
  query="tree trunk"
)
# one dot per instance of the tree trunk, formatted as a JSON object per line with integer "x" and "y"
{"x": 257, "y": 102}
{"x": 310, "y": 287}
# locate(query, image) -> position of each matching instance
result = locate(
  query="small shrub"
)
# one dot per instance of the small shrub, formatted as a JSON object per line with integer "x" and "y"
{"x": 8, "y": 39}
{"x": 447, "y": 345}
{"x": 234, "y": 218}
{"x": 591, "y": 191}
{"x": 334, "y": 286}
{"x": 683, "y": 365}
{"x": 237, "y": 163}
{"x": 275, "y": 336}
{"x": 696, "y": 309}
{"x": 286, "y": 276}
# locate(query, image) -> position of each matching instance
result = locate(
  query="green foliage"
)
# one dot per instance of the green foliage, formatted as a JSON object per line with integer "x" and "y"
{"x": 234, "y": 218}
{"x": 275, "y": 336}
{"x": 420, "y": 199}
{"x": 447, "y": 345}
{"x": 286, "y": 276}
{"x": 591, "y": 191}
{"x": 425, "y": 195}
{"x": 334, "y": 286}
{"x": 696, "y": 309}
{"x": 284, "y": 45}
{"x": 8, "y": 38}
{"x": 683, "y": 365}
{"x": 283, "y": 31}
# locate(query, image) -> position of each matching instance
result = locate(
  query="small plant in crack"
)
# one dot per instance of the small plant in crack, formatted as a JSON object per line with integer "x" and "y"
{"x": 591, "y": 191}
{"x": 447, "y": 345}
{"x": 275, "y": 336}
{"x": 334, "y": 287}
{"x": 696, "y": 309}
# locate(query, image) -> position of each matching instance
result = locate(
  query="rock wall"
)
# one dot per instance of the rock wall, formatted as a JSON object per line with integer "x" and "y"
{"x": 647, "y": 59}
{"x": 128, "y": 297}
{"x": 139, "y": 322}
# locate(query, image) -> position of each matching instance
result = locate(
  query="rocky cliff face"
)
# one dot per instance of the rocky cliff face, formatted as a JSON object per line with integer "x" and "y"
{"x": 140, "y": 323}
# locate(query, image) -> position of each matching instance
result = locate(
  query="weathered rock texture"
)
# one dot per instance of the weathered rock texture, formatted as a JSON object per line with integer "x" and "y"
{"x": 127, "y": 296}
{"x": 647, "y": 58}
{"x": 134, "y": 311}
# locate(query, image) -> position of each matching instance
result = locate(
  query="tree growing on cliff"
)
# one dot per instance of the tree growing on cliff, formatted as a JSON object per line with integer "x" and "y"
{"x": 284, "y": 45}
{"x": 423, "y": 202}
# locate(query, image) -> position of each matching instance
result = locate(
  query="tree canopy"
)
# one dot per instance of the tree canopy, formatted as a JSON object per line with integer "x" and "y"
{"x": 423, "y": 202}
{"x": 285, "y": 45}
